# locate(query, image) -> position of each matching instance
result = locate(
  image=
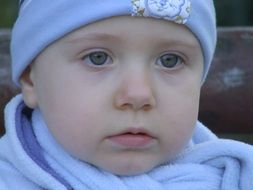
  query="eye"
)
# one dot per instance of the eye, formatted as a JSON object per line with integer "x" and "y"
{"x": 97, "y": 58}
{"x": 169, "y": 60}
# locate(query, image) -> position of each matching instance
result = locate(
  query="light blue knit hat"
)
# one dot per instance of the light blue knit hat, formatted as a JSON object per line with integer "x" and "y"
{"x": 41, "y": 22}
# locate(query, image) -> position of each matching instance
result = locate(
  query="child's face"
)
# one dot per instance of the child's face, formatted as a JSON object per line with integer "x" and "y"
{"x": 121, "y": 93}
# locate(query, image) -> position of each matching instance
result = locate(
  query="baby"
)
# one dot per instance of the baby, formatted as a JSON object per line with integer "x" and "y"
{"x": 110, "y": 96}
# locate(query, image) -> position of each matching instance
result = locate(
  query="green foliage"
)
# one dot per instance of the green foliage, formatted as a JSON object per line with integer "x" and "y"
{"x": 8, "y": 12}
{"x": 234, "y": 12}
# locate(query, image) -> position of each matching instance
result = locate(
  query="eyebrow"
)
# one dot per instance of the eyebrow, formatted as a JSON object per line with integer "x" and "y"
{"x": 103, "y": 37}
{"x": 179, "y": 43}
{"x": 93, "y": 37}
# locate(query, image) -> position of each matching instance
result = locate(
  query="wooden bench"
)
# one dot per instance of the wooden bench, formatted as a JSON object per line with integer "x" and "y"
{"x": 7, "y": 89}
{"x": 226, "y": 104}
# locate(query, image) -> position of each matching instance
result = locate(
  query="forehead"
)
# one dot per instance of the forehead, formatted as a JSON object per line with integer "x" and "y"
{"x": 127, "y": 28}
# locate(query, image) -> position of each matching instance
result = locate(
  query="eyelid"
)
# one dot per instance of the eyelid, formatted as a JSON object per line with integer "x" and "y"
{"x": 179, "y": 54}
{"x": 84, "y": 57}
{"x": 86, "y": 52}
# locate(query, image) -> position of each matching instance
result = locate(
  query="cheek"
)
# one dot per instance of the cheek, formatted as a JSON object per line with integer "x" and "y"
{"x": 179, "y": 103}
{"x": 72, "y": 113}
{"x": 179, "y": 117}
{"x": 73, "y": 126}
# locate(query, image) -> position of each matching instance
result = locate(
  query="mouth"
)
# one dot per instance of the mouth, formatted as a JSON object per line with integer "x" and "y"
{"x": 132, "y": 138}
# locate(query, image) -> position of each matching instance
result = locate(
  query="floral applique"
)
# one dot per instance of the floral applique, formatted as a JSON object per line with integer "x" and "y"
{"x": 174, "y": 10}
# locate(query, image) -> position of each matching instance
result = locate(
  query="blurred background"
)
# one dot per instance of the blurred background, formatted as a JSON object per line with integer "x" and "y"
{"x": 229, "y": 12}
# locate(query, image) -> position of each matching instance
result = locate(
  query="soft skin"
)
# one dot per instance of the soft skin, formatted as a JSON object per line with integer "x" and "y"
{"x": 85, "y": 104}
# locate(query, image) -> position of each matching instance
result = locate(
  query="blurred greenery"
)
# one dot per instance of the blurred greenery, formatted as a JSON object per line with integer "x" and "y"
{"x": 229, "y": 12}
{"x": 248, "y": 138}
{"x": 234, "y": 12}
{"x": 8, "y": 12}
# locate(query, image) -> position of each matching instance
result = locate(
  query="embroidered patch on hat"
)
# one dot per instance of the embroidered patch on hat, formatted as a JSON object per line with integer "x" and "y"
{"x": 173, "y": 10}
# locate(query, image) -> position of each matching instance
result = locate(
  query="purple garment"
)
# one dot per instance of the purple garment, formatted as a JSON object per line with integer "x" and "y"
{"x": 30, "y": 144}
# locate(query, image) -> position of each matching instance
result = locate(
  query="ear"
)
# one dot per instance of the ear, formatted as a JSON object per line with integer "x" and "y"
{"x": 27, "y": 88}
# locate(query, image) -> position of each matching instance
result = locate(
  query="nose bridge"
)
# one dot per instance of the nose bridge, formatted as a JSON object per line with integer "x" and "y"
{"x": 138, "y": 83}
{"x": 136, "y": 90}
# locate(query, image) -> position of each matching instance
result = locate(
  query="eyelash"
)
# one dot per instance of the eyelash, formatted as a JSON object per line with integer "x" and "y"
{"x": 177, "y": 60}
{"x": 90, "y": 58}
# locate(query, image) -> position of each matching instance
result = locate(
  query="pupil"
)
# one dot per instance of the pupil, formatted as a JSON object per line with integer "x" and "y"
{"x": 98, "y": 58}
{"x": 169, "y": 60}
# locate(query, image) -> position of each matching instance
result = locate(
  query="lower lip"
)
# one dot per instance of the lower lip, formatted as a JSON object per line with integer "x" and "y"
{"x": 132, "y": 140}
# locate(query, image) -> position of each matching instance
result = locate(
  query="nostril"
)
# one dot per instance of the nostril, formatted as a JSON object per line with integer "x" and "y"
{"x": 147, "y": 107}
{"x": 135, "y": 102}
{"x": 125, "y": 106}
{"x": 135, "y": 94}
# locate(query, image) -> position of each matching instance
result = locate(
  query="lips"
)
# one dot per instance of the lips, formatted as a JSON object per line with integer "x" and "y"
{"x": 132, "y": 138}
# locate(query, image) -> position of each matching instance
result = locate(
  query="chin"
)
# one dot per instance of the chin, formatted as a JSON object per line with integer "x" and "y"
{"x": 131, "y": 169}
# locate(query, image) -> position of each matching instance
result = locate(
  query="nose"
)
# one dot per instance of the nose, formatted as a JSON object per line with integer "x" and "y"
{"x": 135, "y": 92}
